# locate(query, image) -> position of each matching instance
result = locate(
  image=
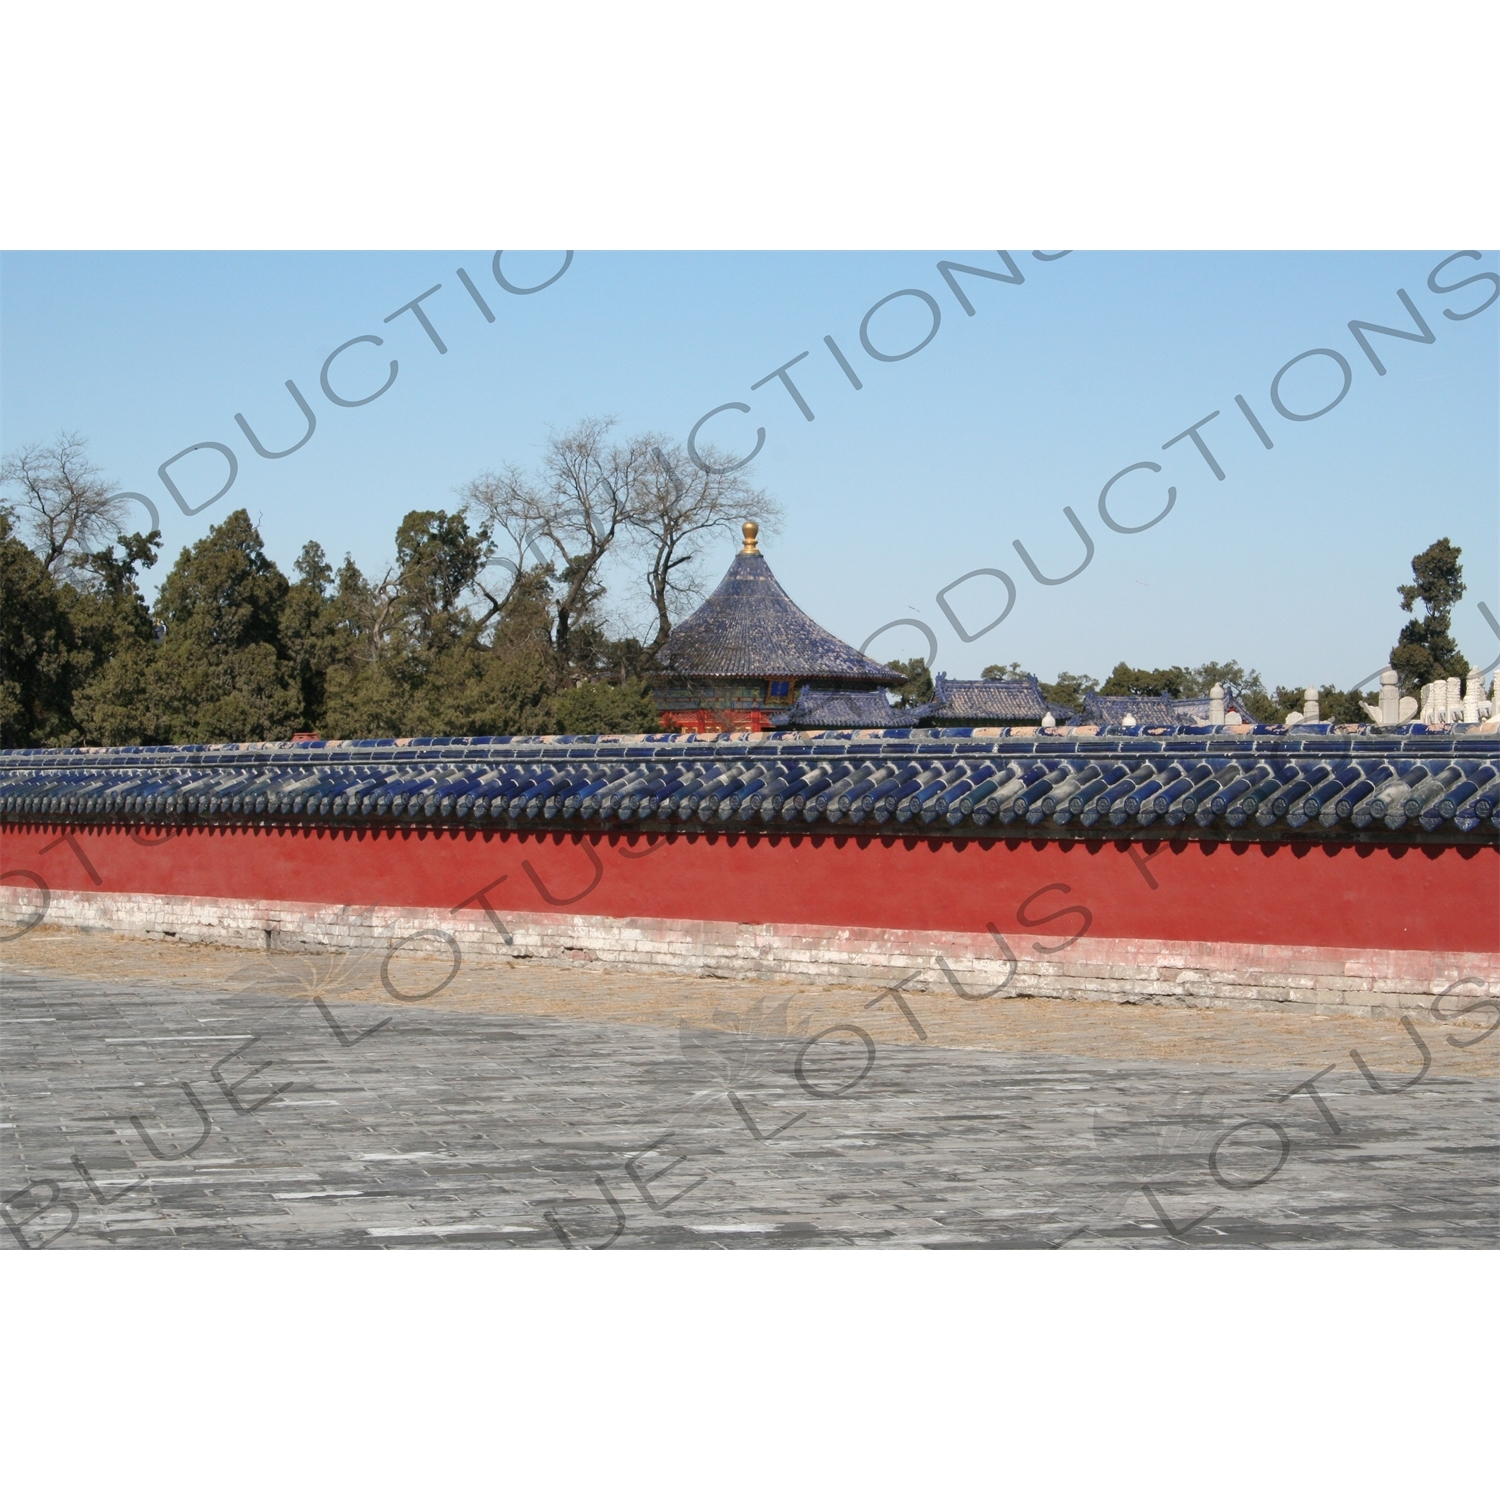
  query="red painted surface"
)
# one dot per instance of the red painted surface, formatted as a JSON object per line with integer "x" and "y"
{"x": 710, "y": 721}
{"x": 1434, "y": 899}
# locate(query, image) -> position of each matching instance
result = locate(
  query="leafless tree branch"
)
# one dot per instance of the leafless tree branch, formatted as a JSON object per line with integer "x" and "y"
{"x": 65, "y": 505}
{"x": 676, "y": 503}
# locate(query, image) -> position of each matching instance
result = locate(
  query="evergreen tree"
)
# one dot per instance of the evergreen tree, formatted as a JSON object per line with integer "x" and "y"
{"x": 1426, "y": 650}
{"x": 1069, "y": 689}
{"x": 112, "y": 624}
{"x": 310, "y": 630}
{"x": 233, "y": 651}
{"x": 36, "y": 648}
{"x": 605, "y": 708}
{"x": 220, "y": 671}
{"x": 1127, "y": 682}
{"x": 918, "y": 687}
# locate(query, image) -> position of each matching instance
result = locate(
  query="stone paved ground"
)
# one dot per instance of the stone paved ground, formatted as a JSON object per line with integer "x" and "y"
{"x": 154, "y": 1095}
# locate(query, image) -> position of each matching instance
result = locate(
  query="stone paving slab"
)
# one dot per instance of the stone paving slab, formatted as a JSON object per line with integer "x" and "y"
{"x": 235, "y": 1110}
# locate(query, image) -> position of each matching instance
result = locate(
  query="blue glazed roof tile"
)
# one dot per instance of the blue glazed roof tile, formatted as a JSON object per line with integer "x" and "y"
{"x": 981, "y": 698}
{"x": 845, "y": 710}
{"x": 1164, "y": 711}
{"x": 749, "y": 627}
{"x": 954, "y": 702}
{"x": 1387, "y": 784}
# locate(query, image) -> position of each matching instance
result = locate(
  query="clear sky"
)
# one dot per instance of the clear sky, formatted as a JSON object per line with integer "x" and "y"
{"x": 933, "y": 469}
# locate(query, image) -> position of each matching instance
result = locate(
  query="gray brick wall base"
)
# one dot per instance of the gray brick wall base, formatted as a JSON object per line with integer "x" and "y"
{"x": 1314, "y": 981}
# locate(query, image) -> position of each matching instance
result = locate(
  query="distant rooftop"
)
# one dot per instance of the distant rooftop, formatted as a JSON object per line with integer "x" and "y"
{"x": 954, "y": 701}
{"x": 960, "y": 700}
{"x": 847, "y": 710}
{"x": 1110, "y": 712}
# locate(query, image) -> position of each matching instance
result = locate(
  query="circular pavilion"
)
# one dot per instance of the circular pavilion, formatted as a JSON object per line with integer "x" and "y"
{"x": 747, "y": 653}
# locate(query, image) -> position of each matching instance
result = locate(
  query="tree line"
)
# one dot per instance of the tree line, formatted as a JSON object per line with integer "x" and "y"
{"x": 490, "y": 619}
{"x": 1425, "y": 650}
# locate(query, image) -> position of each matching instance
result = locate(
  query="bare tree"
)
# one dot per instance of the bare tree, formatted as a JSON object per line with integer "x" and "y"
{"x": 571, "y": 516}
{"x": 676, "y": 502}
{"x": 65, "y": 504}
{"x": 512, "y": 508}
{"x": 590, "y": 496}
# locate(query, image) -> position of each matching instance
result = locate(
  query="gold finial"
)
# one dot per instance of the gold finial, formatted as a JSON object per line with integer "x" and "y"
{"x": 751, "y": 530}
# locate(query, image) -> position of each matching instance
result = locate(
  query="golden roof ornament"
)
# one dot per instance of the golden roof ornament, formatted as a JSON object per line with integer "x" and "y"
{"x": 751, "y": 530}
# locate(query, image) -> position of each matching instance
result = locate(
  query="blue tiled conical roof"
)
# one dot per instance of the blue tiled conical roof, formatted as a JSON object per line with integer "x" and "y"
{"x": 748, "y": 627}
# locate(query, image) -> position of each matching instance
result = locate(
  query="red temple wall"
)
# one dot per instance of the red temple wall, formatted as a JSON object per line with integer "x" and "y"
{"x": 1418, "y": 898}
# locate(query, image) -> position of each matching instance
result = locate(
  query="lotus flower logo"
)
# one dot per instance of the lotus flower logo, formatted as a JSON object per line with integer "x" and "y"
{"x": 741, "y": 1048}
{"x": 327, "y": 974}
{"x": 301, "y": 978}
{"x": 1154, "y": 1141}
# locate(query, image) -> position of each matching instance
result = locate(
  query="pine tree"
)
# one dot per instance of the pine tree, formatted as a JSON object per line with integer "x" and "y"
{"x": 918, "y": 687}
{"x": 36, "y": 648}
{"x": 220, "y": 671}
{"x": 1426, "y": 650}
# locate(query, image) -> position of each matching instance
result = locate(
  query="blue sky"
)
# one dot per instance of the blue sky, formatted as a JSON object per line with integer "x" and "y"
{"x": 933, "y": 469}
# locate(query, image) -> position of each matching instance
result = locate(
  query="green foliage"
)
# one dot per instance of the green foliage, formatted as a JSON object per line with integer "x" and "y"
{"x": 1230, "y": 674}
{"x": 1271, "y": 707}
{"x": 1267, "y": 706}
{"x": 1338, "y": 707}
{"x": 36, "y": 648}
{"x": 1069, "y": 689}
{"x": 61, "y": 629}
{"x": 310, "y": 629}
{"x": 220, "y": 671}
{"x": 1066, "y": 692}
{"x": 1426, "y": 650}
{"x": 224, "y": 594}
{"x": 1335, "y": 705}
{"x": 918, "y": 687}
{"x": 605, "y": 708}
{"x": 236, "y": 652}
{"x": 233, "y": 651}
{"x": 1127, "y": 681}
{"x": 423, "y": 667}
{"x": 438, "y": 560}
{"x": 1182, "y": 682}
